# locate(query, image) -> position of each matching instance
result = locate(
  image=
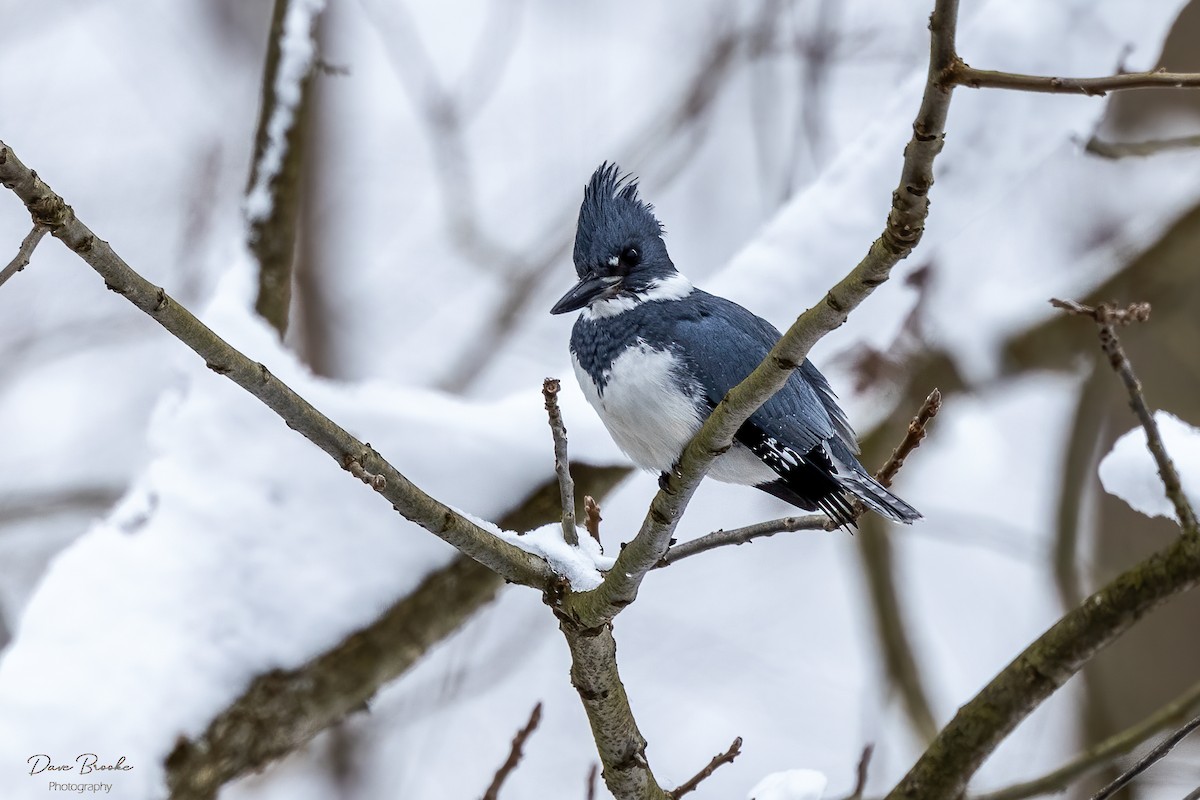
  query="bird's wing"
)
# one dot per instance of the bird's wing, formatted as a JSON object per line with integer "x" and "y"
{"x": 722, "y": 342}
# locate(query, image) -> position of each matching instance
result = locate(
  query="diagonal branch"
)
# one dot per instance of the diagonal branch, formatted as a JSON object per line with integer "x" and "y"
{"x": 24, "y": 253}
{"x": 1107, "y": 318}
{"x": 717, "y": 762}
{"x": 50, "y": 210}
{"x": 1150, "y": 759}
{"x": 1104, "y": 752}
{"x": 905, "y": 224}
{"x": 514, "y": 754}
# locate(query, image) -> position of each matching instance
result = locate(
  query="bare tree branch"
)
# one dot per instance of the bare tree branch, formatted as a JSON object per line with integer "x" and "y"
{"x": 1107, "y": 317}
{"x": 591, "y": 782}
{"x": 717, "y": 762}
{"x": 1150, "y": 759}
{"x": 912, "y": 439}
{"x": 813, "y": 522}
{"x": 1104, "y": 753}
{"x": 24, "y": 253}
{"x": 50, "y": 210}
{"x": 621, "y": 746}
{"x": 860, "y": 776}
{"x": 1099, "y": 147}
{"x": 514, "y": 754}
{"x": 280, "y": 135}
{"x": 759, "y": 530}
{"x": 562, "y": 465}
{"x": 970, "y": 77}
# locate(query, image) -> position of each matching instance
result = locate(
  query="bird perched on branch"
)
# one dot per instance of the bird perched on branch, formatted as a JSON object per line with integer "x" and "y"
{"x": 654, "y": 356}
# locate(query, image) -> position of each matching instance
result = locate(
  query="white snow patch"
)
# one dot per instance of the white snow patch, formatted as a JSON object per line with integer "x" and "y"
{"x": 794, "y": 784}
{"x": 581, "y": 566}
{"x": 296, "y": 52}
{"x": 1129, "y": 471}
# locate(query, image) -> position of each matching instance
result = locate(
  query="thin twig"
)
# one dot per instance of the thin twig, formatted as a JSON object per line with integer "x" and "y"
{"x": 1194, "y": 794}
{"x": 968, "y": 76}
{"x": 717, "y": 762}
{"x": 24, "y": 252}
{"x": 1104, "y": 753}
{"x": 1145, "y": 762}
{"x": 1099, "y": 147}
{"x": 1107, "y": 318}
{"x": 562, "y": 464}
{"x": 860, "y": 780}
{"x": 514, "y": 755}
{"x": 912, "y": 439}
{"x": 591, "y": 781}
{"x": 721, "y": 538}
{"x": 812, "y": 522}
{"x": 592, "y": 518}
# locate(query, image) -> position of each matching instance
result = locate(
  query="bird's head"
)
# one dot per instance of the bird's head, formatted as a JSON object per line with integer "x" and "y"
{"x": 619, "y": 247}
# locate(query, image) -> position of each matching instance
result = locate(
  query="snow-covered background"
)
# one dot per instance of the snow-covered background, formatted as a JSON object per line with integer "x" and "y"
{"x": 164, "y": 538}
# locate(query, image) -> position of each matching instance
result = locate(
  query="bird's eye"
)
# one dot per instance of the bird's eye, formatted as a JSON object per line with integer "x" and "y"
{"x": 630, "y": 257}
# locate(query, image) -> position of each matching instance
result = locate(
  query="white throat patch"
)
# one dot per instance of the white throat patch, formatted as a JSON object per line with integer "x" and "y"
{"x": 672, "y": 288}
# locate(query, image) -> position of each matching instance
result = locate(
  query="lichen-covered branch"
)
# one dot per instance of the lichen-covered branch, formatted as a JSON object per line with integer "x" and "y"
{"x": 621, "y": 746}
{"x": 905, "y": 224}
{"x": 282, "y": 710}
{"x": 50, "y": 210}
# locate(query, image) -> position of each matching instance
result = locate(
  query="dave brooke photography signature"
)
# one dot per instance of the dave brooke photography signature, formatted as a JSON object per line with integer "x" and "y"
{"x": 84, "y": 764}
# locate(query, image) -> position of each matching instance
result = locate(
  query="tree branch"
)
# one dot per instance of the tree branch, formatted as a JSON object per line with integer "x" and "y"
{"x": 717, "y": 762}
{"x": 912, "y": 438}
{"x": 885, "y": 475}
{"x": 514, "y": 754}
{"x": 562, "y": 465}
{"x": 1099, "y": 147}
{"x": 1103, "y": 753}
{"x": 1145, "y": 762}
{"x": 1107, "y": 318}
{"x": 621, "y": 746}
{"x": 721, "y": 538}
{"x": 970, "y": 77}
{"x": 50, "y": 210}
{"x": 905, "y": 224}
{"x": 24, "y": 253}
{"x": 273, "y": 187}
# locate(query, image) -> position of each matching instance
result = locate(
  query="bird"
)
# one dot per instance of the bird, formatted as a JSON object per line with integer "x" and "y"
{"x": 654, "y": 355}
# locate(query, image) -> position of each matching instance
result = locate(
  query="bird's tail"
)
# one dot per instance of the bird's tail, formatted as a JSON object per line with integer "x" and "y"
{"x": 876, "y": 497}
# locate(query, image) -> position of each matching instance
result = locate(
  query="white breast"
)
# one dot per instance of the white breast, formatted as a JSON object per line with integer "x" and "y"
{"x": 652, "y": 420}
{"x": 642, "y": 406}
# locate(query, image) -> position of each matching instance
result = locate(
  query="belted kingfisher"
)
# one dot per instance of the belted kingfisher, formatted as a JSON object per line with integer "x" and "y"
{"x": 654, "y": 356}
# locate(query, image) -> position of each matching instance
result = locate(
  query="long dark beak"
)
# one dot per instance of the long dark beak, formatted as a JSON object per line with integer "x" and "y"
{"x": 584, "y": 292}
